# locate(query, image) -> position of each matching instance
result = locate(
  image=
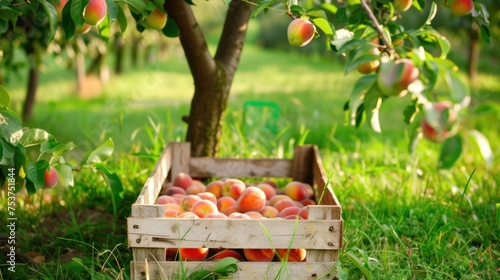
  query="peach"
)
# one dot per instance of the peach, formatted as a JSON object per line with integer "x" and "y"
{"x": 271, "y": 183}
{"x": 156, "y": 19}
{"x": 187, "y": 215}
{"x": 282, "y": 204}
{"x": 182, "y": 180}
{"x": 294, "y": 255}
{"x": 164, "y": 199}
{"x": 193, "y": 254}
{"x": 297, "y": 190}
{"x": 307, "y": 201}
{"x": 402, "y": 5}
{"x": 258, "y": 255}
{"x": 59, "y": 9}
{"x": 304, "y": 212}
{"x": 227, "y": 253}
{"x": 188, "y": 201}
{"x": 83, "y": 29}
{"x": 269, "y": 212}
{"x": 300, "y": 32}
{"x": 254, "y": 215}
{"x": 237, "y": 215}
{"x": 443, "y": 117}
{"x": 95, "y": 12}
{"x": 233, "y": 188}
{"x": 370, "y": 66}
{"x": 51, "y": 177}
{"x": 178, "y": 197}
{"x": 204, "y": 207}
{"x": 277, "y": 198}
{"x": 171, "y": 213}
{"x": 196, "y": 188}
{"x": 171, "y": 253}
{"x": 215, "y": 187}
{"x": 252, "y": 199}
{"x": 394, "y": 77}
{"x": 269, "y": 190}
{"x": 292, "y": 210}
{"x": 217, "y": 215}
{"x": 173, "y": 190}
{"x": 165, "y": 187}
{"x": 208, "y": 196}
{"x": 225, "y": 202}
{"x": 460, "y": 7}
{"x": 230, "y": 210}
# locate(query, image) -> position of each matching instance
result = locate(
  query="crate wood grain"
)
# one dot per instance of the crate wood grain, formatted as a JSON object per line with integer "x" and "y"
{"x": 150, "y": 233}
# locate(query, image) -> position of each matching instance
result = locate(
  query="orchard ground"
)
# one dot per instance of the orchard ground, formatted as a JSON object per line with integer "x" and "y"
{"x": 404, "y": 219}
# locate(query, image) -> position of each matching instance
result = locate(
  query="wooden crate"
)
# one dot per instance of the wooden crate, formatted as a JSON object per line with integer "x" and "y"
{"x": 149, "y": 232}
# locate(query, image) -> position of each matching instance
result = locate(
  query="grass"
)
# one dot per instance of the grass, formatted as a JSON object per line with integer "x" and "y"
{"x": 404, "y": 219}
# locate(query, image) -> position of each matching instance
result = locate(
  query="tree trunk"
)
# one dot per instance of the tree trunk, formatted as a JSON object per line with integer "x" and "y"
{"x": 212, "y": 76}
{"x": 29, "y": 102}
{"x": 120, "y": 43}
{"x": 473, "y": 54}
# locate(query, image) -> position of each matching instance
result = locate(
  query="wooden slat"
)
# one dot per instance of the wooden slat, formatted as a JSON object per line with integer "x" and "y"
{"x": 234, "y": 233}
{"x": 320, "y": 212}
{"x": 301, "y": 164}
{"x": 155, "y": 181}
{"x": 246, "y": 270}
{"x": 181, "y": 155}
{"x": 227, "y": 167}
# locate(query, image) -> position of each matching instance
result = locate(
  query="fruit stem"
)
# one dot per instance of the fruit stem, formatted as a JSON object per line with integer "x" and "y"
{"x": 377, "y": 27}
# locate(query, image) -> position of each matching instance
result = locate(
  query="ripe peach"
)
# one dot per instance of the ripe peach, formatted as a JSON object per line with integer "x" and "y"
{"x": 444, "y": 117}
{"x": 277, "y": 198}
{"x": 171, "y": 253}
{"x": 178, "y": 197}
{"x": 269, "y": 212}
{"x": 188, "y": 201}
{"x": 51, "y": 178}
{"x": 95, "y": 12}
{"x": 371, "y": 66}
{"x": 394, "y": 77}
{"x": 237, "y": 215}
{"x": 254, "y": 215}
{"x": 296, "y": 190}
{"x": 227, "y": 253}
{"x": 187, "y": 215}
{"x": 307, "y": 201}
{"x": 173, "y": 190}
{"x": 294, "y": 255}
{"x": 269, "y": 190}
{"x": 83, "y": 29}
{"x": 258, "y": 255}
{"x": 225, "y": 202}
{"x": 230, "y": 210}
{"x": 172, "y": 213}
{"x": 215, "y": 187}
{"x": 304, "y": 212}
{"x": 204, "y": 207}
{"x": 174, "y": 206}
{"x": 271, "y": 183}
{"x": 217, "y": 215}
{"x": 402, "y": 5}
{"x": 233, "y": 188}
{"x": 165, "y": 187}
{"x": 182, "y": 180}
{"x": 300, "y": 32}
{"x": 460, "y": 7}
{"x": 193, "y": 254}
{"x": 156, "y": 19}
{"x": 196, "y": 188}
{"x": 292, "y": 210}
{"x": 283, "y": 204}
{"x": 252, "y": 199}
{"x": 208, "y": 196}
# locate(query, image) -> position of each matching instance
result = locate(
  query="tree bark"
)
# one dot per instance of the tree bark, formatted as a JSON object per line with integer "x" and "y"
{"x": 473, "y": 53}
{"x": 120, "y": 46}
{"x": 212, "y": 76}
{"x": 29, "y": 102}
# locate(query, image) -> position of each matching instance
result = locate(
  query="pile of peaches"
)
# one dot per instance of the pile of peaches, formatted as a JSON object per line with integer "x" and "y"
{"x": 232, "y": 198}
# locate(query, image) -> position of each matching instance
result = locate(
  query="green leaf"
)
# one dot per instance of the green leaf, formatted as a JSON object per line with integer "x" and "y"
{"x": 414, "y": 133}
{"x": 4, "y": 97}
{"x": 68, "y": 24}
{"x": 480, "y": 14}
{"x": 297, "y": 10}
{"x": 122, "y": 19}
{"x": 450, "y": 152}
{"x": 457, "y": 87}
{"x": 410, "y": 111}
{"x": 105, "y": 29}
{"x": 201, "y": 274}
{"x": 51, "y": 12}
{"x": 65, "y": 171}
{"x": 363, "y": 55}
{"x": 34, "y": 136}
{"x": 7, "y": 153}
{"x": 325, "y": 26}
{"x": 10, "y": 126}
{"x": 137, "y": 6}
{"x": 329, "y": 7}
{"x": 77, "y": 8}
{"x": 36, "y": 174}
{"x": 341, "y": 273}
{"x": 171, "y": 29}
{"x": 34, "y": 4}
{"x": 61, "y": 148}
{"x": 484, "y": 147}
{"x": 316, "y": 13}
{"x": 112, "y": 10}
{"x": 9, "y": 14}
{"x": 226, "y": 266}
{"x": 101, "y": 153}
{"x": 114, "y": 184}
{"x": 358, "y": 92}
{"x": 373, "y": 101}
{"x": 432, "y": 13}
{"x": 262, "y": 6}
{"x": 485, "y": 34}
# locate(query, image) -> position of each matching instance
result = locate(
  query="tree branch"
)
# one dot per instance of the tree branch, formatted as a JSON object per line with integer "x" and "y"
{"x": 193, "y": 42}
{"x": 376, "y": 25}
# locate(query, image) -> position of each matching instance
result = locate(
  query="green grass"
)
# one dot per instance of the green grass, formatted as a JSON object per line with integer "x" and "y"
{"x": 403, "y": 218}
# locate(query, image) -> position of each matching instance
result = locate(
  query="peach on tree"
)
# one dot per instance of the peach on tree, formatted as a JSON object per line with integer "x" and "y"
{"x": 394, "y": 77}
{"x": 300, "y": 32}
{"x": 460, "y": 7}
{"x": 438, "y": 123}
{"x": 51, "y": 177}
{"x": 95, "y": 12}
{"x": 156, "y": 19}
